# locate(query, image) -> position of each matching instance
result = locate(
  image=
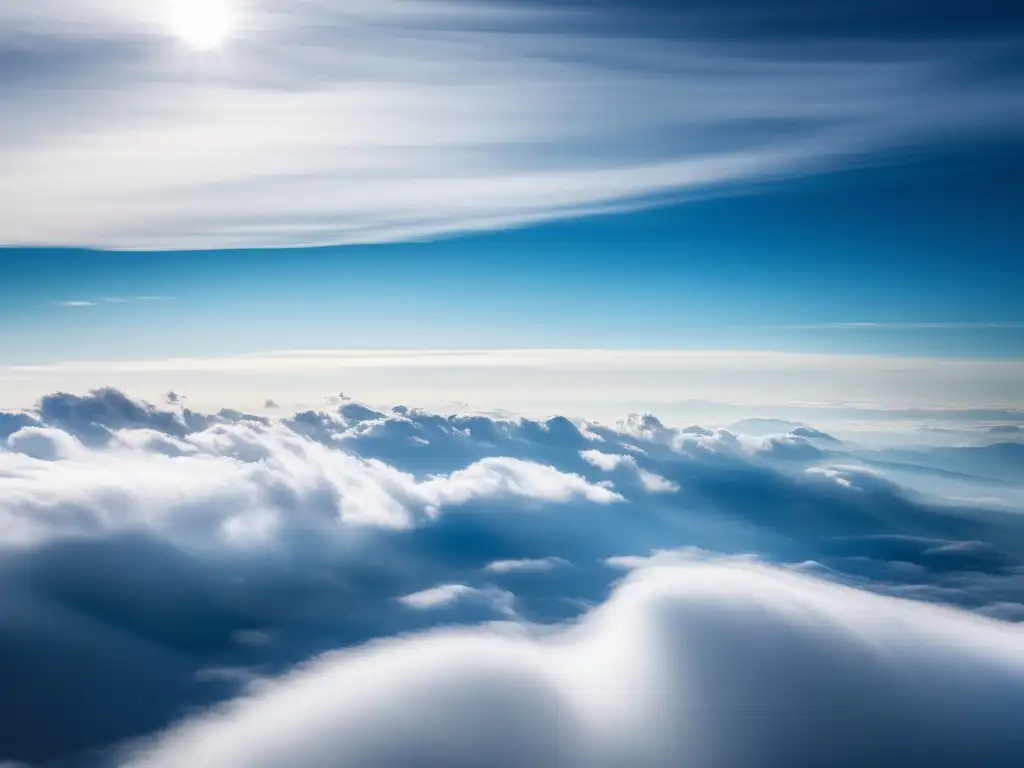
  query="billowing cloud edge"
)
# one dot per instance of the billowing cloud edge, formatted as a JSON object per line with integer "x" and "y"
{"x": 729, "y": 661}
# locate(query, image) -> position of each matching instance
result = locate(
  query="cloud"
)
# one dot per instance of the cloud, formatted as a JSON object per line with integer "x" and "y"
{"x": 606, "y": 461}
{"x": 396, "y": 120}
{"x": 211, "y": 559}
{"x": 653, "y": 483}
{"x": 809, "y": 433}
{"x": 650, "y": 481}
{"x": 915, "y": 326}
{"x": 727, "y": 664}
{"x": 81, "y": 303}
{"x": 446, "y": 594}
{"x": 517, "y": 566}
{"x": 44, "y": 444}
{"x": 133, "y": 299}
{"x": 240, "y": 483}
{"x": 437, "y": 596}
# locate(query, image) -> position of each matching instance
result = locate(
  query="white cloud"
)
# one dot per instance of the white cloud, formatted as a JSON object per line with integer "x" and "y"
{"x": 731, "y": 664}
{"x": 240, "y": 482}
{"x": 516, "y": 566}
{"x": 651, "y": 482}
{"x": 437, "y": 596}
{"x": 607, "y": 461}
{"x": 446, "y": 594}
{"x": 497, "y": 477}
{"x": 225, "y": 548}
{"x": 856, "y": 478}
{"x": 82, "y": 303}
{"x": 399, "y": 120}
{"x": 44, "y": 444}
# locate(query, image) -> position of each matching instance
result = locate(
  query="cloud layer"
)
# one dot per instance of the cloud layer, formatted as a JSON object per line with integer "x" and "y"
{"x": 336, "y": 122}
{"x": 711, "y": 664}
{"x": 228, "y": 589}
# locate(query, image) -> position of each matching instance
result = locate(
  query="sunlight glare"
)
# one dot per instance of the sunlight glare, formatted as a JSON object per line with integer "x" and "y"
{"x": 202, "y": 24}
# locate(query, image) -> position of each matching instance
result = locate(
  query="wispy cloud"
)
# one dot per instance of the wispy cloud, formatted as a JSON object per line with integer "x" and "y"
{"x": 911, "y": 326}
{"x": 133, "y": 299}
{"x": 368, "y": 122}
{"x": 112, "y": 300}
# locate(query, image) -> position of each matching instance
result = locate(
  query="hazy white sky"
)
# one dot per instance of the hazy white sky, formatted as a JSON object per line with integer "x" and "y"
{"x": 589, "y": 383}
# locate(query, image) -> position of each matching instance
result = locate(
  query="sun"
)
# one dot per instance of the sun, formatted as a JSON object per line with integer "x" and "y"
{"x": 202, "y": 24}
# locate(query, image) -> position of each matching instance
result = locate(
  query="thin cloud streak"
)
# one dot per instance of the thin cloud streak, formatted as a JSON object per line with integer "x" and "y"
{"x": 913, "y": 326}
{"x": 112, "y": 300}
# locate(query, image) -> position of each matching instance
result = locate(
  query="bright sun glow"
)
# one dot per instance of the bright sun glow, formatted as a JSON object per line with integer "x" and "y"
{"x": 203, "y": 24}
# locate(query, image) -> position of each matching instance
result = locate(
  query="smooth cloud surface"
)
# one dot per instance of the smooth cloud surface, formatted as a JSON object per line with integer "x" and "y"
{"x": 705, "y": 664}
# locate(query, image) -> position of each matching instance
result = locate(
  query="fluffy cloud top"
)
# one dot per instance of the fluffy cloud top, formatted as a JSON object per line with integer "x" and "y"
{"x": 241, "y": 482}
{"x": 213, "y": 559}
{"x": 711, "y": 664}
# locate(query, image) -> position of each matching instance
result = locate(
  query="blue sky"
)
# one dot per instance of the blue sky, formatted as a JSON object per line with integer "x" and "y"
{"x": 925, "y": 247}
{"x": 190, "y": 180}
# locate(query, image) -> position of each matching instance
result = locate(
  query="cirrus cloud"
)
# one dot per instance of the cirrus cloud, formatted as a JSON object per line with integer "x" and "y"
{"x": 394, "y": 120}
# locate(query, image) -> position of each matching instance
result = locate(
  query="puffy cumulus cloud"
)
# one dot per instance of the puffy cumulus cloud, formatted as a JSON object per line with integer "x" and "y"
{"x": 44, "y": 443}
{"x": 764, "y": 439}
{"x": 204, "y": 556}
{"x": 607, "y": 461}
{"x": 12, "y": 421}
{"x": 651, "y": 482}
{"x": 728, "y": 664}
{"x": 93, "y": 417}
{"x": 497, "y": 477}
{"x": 241, "y": 482}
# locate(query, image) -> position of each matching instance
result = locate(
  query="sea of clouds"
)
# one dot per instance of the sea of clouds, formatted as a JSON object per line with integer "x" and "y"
{"x": 353, "y": 587}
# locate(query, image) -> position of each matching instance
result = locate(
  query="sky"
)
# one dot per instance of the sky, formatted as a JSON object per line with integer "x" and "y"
{"x": 489, "y": 175}
{"x": 591, "y": 383}
{"x": 912, "y": 258}
{"x": 837, "y": 179}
